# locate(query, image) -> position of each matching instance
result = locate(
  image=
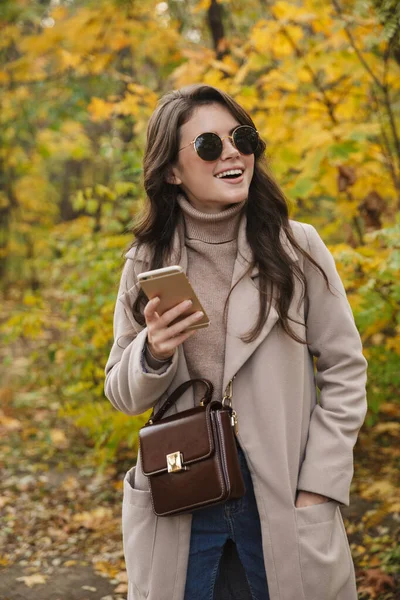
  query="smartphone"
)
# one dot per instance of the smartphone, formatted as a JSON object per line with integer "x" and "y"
{"x": 172, "y": 286}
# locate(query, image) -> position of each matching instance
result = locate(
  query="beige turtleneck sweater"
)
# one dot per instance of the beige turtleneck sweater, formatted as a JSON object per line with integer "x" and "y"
{"x": 211, "y": 243}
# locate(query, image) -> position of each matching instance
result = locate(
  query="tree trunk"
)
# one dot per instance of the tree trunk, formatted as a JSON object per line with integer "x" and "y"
{"x": 214, "y": 18}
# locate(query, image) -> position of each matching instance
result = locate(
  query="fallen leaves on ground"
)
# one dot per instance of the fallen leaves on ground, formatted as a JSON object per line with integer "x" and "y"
{"x": 31, "y": 580}
{"x": 57, "y": 508}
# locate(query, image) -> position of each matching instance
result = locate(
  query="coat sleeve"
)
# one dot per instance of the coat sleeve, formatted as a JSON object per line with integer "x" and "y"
{"x": 334, "y": 341}
{"x": 131, "y": 385}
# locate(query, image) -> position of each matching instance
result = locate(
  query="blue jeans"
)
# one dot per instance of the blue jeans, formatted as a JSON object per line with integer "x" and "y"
{"x": 212, "y": 527}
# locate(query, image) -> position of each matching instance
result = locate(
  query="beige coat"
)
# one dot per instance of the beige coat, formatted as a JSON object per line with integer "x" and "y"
{"x": 291, "y": 440}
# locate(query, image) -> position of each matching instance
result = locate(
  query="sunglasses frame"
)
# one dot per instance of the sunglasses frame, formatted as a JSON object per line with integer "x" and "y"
{"x": 222, "y": 139}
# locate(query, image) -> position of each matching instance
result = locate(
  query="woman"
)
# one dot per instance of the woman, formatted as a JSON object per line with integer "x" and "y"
{"x": 276, "y": 303}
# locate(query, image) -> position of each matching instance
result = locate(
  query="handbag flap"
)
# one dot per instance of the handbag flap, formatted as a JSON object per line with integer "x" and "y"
{"x": 188, "y": 432}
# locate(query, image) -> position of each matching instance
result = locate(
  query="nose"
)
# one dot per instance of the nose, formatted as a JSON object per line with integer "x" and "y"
{"x": 228, "y": 149}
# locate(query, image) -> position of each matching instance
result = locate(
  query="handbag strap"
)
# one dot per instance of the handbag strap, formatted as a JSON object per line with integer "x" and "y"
{"x": 181, "y": 389}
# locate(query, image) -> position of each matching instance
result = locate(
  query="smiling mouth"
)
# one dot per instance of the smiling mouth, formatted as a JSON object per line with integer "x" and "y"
{"x": 232, "y": 174}
{"x": 232, "y": 179}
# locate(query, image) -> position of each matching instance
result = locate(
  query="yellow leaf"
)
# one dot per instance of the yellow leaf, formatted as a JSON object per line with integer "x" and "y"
{"x": 295, "y": 32}
{"x": 389, "y": 408}
{"x": 305, "y": 76}
{"x": 31, "y": 580}
{"x": 4, "y": 500}
{"x": 203, "y": 5}
{"x": 58, "y": 438}
{"x": 9, "y": 423}
{"x": 94, "y": 519}
{"x": 100, "y": 109}
{"x": 68, "y": 59}
{"x": 289, "y": 11}
{"x": 395, "y": 507}
{"x": 4, "y": 78}
{"x": 59, "y": 13}
{"x": 106, "y": 568}
{"x": 391, "y": 427}
{"x": 379, "y": 489}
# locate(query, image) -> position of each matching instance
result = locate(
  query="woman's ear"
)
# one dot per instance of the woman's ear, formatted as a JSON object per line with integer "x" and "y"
{"x": 173, "y": 177}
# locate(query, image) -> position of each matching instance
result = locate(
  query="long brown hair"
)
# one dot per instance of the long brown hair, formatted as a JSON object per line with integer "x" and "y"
{"x": 267, "y": 207}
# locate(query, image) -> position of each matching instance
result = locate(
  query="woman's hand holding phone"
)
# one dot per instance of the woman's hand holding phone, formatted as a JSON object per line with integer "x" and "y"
{"x": 163, "y": 339}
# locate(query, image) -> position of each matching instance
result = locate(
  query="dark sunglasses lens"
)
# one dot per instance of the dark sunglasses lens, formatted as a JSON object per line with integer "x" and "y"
{"x": 246, "y": 139}
{"x": 208, "y": 146}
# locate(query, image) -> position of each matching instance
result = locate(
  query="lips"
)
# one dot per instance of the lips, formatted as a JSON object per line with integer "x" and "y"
{"x": 232, "y": 168}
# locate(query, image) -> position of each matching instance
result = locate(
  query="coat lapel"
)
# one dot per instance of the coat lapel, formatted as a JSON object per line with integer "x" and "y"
{"x": 244, "y": 306}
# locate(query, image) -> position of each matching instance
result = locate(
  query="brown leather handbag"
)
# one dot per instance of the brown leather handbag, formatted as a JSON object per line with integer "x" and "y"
{"x": 191, "y": 458}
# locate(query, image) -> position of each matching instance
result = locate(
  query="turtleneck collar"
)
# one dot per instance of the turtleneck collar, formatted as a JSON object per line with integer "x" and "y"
{"x": 214, "y": 228}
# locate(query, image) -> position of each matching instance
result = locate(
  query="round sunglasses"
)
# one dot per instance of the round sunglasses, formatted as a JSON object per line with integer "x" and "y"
{"x": 209, "y": 145}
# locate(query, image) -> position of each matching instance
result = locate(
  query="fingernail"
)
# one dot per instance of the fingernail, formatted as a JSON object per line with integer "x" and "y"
{"x": 188, "y": 303}
{"x": 199, "y": 313}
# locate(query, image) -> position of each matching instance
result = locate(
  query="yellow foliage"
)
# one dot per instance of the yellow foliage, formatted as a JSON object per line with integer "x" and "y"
{"x": 70, "y": 141}
{"x": 287, "y": 11}
{"x": 58, "y": 13}
{"x": 4, "y": 78}
{"x": 394, "y": 344}
{"x": 69, "y": 59}
{"x": 239, "y": 76}
{"x": 294, "y": 32}
{"x": 9, "y": 34}
{"x": 379, "y": 489}
{"x": 4, "y": 200}
{"x": 227, "y": 65}
{"x": 263, "y": 36}
{"x": 216, "y": 78}
{"x": 28, "y": 189}
{"x": 189, "y": 72}
{"x": 375, "y": 327}
{"x": 201, "y": 6}
{"x": 100, "y": 109}
{"x": 304, "y": 75}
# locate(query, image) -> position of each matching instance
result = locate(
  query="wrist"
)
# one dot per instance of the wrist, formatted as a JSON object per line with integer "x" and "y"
{"x": 153, "y": 355}
{"x": 305, "y": 498}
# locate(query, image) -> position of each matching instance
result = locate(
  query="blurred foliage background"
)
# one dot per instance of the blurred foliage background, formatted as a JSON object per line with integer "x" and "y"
{"x": 78, "y": 82}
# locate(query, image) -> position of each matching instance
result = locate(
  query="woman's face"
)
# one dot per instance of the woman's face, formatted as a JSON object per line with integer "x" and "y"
{"x": 197, "y": 177}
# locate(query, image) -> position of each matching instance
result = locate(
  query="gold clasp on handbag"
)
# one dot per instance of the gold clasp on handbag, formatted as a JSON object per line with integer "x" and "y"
{"x": 174, "y": 462}
{"x": 228, "y": 393}
{"x": 228, "y": 398}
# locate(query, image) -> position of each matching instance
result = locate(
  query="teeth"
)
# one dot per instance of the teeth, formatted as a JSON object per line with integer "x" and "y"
{"x": 231, "y": 172}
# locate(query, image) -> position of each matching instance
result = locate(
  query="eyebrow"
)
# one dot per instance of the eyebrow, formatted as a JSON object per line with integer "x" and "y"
{"x": 230, "y": 131}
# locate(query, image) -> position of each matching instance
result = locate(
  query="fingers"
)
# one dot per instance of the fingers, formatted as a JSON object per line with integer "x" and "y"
{"x": 163, "y": 337}
{"x": 181, "y": 326}
{"x": 173, "y": 313}
{"x": 167, "y": 348}
{"x": 150, "y": 309}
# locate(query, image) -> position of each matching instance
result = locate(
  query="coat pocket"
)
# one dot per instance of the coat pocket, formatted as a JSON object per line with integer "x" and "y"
{"x": 324, "y": 551}
{"x": 139, "y": 524}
